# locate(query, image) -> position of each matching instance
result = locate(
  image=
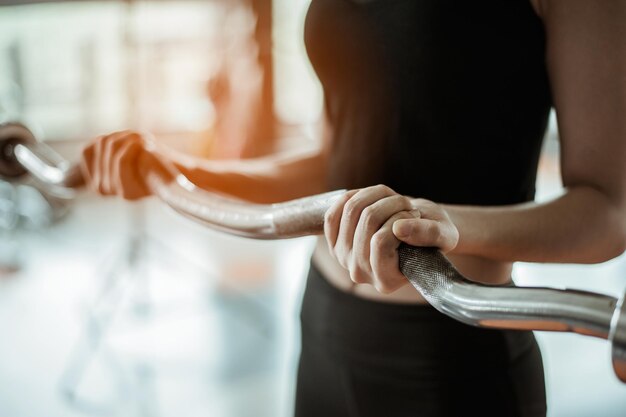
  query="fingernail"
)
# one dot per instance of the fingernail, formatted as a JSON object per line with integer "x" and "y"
{"x": 401, "y": 228}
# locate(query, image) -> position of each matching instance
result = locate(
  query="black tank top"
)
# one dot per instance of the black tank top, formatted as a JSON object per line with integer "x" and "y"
{"x": 441, "y": 99}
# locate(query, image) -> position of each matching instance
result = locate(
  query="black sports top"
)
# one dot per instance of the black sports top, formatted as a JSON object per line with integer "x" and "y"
{"x": 441, "y": 99}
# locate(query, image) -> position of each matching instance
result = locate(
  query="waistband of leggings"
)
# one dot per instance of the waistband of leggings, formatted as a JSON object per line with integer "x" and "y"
{"x": 358, "y": 324}
{"x": 328, "y": 296}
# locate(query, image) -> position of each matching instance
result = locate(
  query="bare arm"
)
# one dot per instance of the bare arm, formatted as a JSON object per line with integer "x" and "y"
{"x": 586, "y": 56}
{"x": 116, "y": 164}
{"x": 262, "y": 180}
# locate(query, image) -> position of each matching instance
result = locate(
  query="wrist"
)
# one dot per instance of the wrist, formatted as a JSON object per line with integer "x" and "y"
{"x": 468, "y": 237}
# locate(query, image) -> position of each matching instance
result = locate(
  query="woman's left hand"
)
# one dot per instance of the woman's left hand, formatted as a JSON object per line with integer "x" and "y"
{"x": 365, "y": 227}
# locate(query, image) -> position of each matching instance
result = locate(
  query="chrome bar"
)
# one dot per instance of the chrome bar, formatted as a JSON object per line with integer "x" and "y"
{"x": 429, "y": 271}
{"x": 301, "y": 217}
{"x": 47, "y": 166}
{"x": 525, "y": 308}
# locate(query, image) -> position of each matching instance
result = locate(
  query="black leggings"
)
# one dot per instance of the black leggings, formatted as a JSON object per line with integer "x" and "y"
{"x": 366, "y": 358}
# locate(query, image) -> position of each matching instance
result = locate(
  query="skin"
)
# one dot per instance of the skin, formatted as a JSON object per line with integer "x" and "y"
{"x": 586, "y": 60}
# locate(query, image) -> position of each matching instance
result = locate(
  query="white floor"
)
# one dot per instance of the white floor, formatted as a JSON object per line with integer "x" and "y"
{"x": 202, "y": 324}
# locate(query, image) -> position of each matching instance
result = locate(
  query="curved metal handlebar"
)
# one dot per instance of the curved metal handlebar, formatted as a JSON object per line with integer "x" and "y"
{"x": 429, "y": 271}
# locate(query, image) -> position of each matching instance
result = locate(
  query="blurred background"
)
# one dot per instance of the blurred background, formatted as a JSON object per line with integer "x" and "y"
{"x": 116, "y": 309}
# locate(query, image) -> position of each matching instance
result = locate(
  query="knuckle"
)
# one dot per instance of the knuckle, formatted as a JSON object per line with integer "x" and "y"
{"x": 369, "y": 217}
{"x": 344, "y": 199}
{"x": 131, "y": 136}
{"x": 352, "y": 265}
{"x": 391, "y": 282}
{"x": 357, "y": 275}
{"x": 398, "y": 198}
{"x": 341, "y": 258}
{"x": 406, "y": 202}
{"x": 383, "y": 188}
{"x": 383, "y": 287}
{"x": 379, "y": 242}
{"x": 361, "y": 261}
{"x": 350, "y": 209}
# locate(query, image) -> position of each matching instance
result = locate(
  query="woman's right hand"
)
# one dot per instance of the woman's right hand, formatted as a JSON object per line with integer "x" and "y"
{"x": 116, "y": 164}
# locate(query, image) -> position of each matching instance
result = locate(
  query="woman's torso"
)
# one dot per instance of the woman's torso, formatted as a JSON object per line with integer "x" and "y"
{"x": 438, "y": 99}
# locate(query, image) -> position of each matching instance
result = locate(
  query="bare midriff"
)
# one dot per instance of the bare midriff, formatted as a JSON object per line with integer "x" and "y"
{"x": 475, "y": 268}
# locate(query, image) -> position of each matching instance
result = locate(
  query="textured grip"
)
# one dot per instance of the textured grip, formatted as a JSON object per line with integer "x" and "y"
{"x": 429, "y": 271}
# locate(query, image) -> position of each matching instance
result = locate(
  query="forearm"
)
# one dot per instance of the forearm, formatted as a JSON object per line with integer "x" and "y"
{"x": 263, "y": 180}
{"x": 581, "y": 226}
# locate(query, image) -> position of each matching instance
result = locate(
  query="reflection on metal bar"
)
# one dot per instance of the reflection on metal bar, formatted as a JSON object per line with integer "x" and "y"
{"x": 47, "y": 166}
{"x": 429, "y": 271}
{"x": 442, "y": 285}
{"x": 296, "y": 218}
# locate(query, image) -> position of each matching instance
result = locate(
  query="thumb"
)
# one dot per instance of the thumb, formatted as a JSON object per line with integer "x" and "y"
{"x": 149, "y": 164}
{"x": 426, "y": 233}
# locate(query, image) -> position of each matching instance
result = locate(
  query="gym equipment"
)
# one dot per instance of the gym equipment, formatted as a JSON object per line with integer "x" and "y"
{"x": 526, "y": 308}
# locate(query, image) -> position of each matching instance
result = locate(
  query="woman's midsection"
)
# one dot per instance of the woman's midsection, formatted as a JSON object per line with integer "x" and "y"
{"x": 478, "y": 269}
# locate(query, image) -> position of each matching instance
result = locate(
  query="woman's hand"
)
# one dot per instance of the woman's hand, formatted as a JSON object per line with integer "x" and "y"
{"x": 365, "y": 227}
{"x": 115, "y": 164}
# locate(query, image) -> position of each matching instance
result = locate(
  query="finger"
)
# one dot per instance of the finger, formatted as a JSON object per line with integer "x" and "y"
{"x": 86, "y": 164}
{"x": 372, "y": 219}
{"x": 112, "y": 147}
{"x": 428, "y": 209}
{"x": 128, "y": 182}
{"x": 98, "y": 166}
{"x": 332, "y": 219}
{"x": 426, "y": 232}
{"x": 351, "y": 214}
{"x": 384, "y": 256}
